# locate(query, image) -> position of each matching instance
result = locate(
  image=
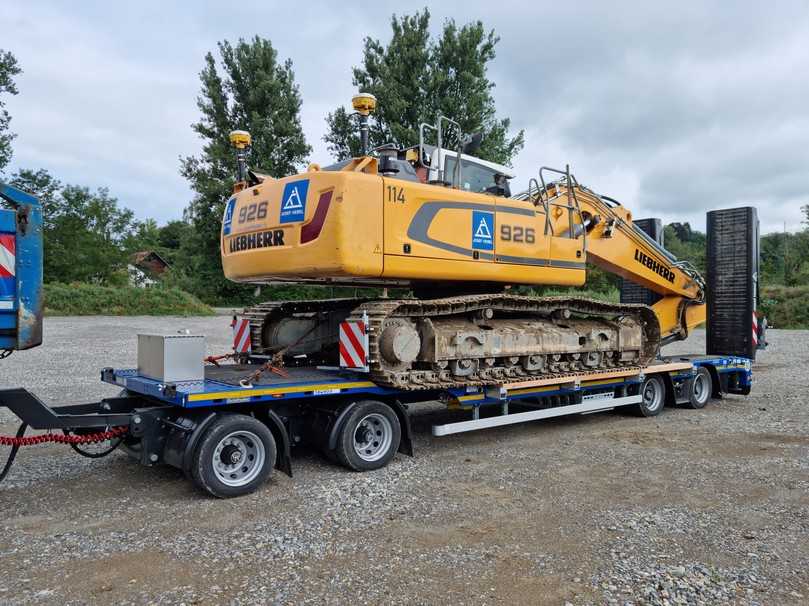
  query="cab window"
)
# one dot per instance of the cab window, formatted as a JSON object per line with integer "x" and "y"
{"x": 474, "y": 177}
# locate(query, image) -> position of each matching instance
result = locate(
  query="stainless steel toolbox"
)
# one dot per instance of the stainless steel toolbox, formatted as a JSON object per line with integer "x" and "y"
{"x": 171, "y": 357}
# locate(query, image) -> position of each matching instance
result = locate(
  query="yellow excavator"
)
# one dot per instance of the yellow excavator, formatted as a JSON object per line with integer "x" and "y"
{"x": 443, "y": 224}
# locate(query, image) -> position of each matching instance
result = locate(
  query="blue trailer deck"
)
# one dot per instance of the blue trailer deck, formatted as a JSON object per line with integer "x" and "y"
{"x": 222, "y": 384}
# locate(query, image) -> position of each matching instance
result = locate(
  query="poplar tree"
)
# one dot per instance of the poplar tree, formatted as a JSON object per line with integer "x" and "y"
{"x": 416, "y": 77}
{"x": 8, "y": 69}
{"x": 249, "y": 88}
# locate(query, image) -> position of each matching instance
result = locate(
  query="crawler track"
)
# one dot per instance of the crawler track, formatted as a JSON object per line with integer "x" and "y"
{"x": 379, "y": 311}
{"x": 426, "y": 375}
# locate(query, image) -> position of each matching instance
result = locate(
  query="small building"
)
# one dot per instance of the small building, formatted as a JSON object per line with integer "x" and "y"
{"x": 145, "y": 267}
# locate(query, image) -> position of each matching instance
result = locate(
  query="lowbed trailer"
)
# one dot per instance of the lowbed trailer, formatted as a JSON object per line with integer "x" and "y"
{"x": 227, "y": 427}
{"x": 229, "y": 430}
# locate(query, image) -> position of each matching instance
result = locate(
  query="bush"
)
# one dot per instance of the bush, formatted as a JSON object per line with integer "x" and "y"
{"x": 80, "y": 299}
{"x": 785, "y": 306}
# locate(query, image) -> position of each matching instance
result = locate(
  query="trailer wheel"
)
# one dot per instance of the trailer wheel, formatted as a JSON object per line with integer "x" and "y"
{"x": 369, "y": 436}
{"x": 653, "y": 394}
{"x": 701, "y": 388}
{"x": 235, "y": 456}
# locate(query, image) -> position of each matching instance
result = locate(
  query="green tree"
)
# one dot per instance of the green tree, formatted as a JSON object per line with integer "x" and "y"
{"x": 805, "y": 211}
{"x": 85, "y": 241}
{"x": 251, "y": 90}
{"x": 686, "y": 244}
{"x": 415, "y": 78}
{"x": 145, "y": 235}
{"x": 84, "y": 232}
{"x": 8, "y": 69}
{"x": 41, "y": 184}
{"x": 173, "y": 234}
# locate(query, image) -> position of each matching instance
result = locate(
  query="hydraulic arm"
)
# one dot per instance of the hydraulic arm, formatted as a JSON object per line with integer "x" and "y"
{"x": 612, "y": 242}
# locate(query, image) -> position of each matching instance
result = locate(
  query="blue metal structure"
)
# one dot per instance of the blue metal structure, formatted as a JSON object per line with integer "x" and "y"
{"x": 21, "y": 296}
{"x": 732, "y": 375}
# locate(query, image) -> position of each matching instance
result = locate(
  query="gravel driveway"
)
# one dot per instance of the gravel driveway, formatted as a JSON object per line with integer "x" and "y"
{"x": 691, "y": 507}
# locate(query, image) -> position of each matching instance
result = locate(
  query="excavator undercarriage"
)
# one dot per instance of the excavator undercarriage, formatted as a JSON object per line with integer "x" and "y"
{"x": 464, "y": 340}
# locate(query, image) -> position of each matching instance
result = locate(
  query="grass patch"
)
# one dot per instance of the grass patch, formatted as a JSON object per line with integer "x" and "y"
{"x": 79, "y": 299}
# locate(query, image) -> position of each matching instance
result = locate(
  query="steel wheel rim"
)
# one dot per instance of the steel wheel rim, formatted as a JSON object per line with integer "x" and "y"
{"x": 238, "y": 458}
{"x": 700, "y": 389}
{"x": 373, "y": 437}
{"x": 652, "y": 395}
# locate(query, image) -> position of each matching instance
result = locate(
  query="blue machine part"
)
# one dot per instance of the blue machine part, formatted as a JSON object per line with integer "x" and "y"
{"x": 21, "y": 298}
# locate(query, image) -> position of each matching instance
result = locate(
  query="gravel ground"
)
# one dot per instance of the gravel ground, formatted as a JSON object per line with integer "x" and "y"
{"x": 691, "y": 507}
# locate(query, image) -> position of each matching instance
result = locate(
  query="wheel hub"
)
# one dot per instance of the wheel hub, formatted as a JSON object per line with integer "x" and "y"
{"x": 231, "y": 455}
{"x": 372, "y": 437}
{"x": 238, "y": 458}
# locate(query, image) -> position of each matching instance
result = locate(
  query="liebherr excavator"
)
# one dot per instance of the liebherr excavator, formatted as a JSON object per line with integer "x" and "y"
{"x": 443, "y": 224}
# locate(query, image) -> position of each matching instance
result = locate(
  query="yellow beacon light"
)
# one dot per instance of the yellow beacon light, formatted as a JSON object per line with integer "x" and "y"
{"x": 240, "y": 139}
{"x": 363, "y": 103}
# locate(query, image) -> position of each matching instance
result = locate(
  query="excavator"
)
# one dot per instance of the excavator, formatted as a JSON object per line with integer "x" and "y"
{"x": 437, "y": 223}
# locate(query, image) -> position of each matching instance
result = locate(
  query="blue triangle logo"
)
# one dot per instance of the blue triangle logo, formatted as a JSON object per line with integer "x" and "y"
{"x": 293, "y": 201}
{"x": 483, "y": 230}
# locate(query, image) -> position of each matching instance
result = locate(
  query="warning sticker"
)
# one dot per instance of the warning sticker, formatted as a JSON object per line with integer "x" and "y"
{"x": 482, "y": 230}
{"x": 293, "y": 202}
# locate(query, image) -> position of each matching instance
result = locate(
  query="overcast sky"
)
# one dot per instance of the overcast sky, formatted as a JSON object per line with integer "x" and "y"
{"x": 673, "y": 108}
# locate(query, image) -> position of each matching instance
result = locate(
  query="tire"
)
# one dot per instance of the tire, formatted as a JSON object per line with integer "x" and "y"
{"x": 235, "y": 456}
{"x": 369, "y": 436}
{"x": 653, "y": 394}
{"x": 701, "y": 389}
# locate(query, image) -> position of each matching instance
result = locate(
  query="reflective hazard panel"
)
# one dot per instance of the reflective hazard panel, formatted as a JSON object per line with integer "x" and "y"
{"x": 8, "y": 271}
{"x": 482, "y": 230}
{"x": 354, "y": 345}
{"x": 293, "y": 201}
{"x": 241, "y": 335}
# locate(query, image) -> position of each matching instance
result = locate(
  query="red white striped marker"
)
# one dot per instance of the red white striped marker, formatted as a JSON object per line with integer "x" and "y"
{"x": 354, "y": 345}
{"x": 755, "y": 328}
{"x": 241, "y": 335}
{"x": 8, "y": 262}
